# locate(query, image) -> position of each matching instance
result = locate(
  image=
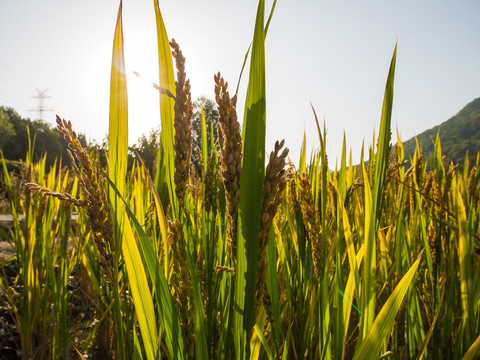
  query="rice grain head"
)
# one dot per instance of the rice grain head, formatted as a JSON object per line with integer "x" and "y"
{"x": 311, "y": 220}
{"x": 182, "y": 125}
{"x": 231, "y": 157}
{"x": 274, "y": 184}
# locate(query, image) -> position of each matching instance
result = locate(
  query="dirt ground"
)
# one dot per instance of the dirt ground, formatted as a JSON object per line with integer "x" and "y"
{"x": 7, "y": 251}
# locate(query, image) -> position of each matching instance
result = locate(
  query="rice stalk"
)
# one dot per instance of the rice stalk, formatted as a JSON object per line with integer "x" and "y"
{"x": 94, "y": 201}
{"x": 230, "y": 158}
{"x": 182, "y": 283}
{"x": 94, "y": 197}
{"x": 274, "y": 183}
{"x": 182, "y": 124}
{"x": 311, "y": 218}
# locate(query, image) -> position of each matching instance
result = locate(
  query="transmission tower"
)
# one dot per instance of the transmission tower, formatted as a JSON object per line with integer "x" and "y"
{"x": 41, "y": 109}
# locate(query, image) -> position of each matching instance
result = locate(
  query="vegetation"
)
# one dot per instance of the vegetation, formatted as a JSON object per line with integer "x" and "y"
{"x": 460, "y": 134}
{"x": 203, "y": 107}
{"x": 16, "y": 131}
{"x": 244, "y": 261}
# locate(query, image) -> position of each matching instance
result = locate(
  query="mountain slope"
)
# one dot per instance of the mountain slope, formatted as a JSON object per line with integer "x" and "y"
{"x": 459, "y": 134}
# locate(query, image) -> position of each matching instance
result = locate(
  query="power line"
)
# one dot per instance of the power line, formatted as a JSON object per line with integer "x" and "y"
{"x": 41, "y": 109}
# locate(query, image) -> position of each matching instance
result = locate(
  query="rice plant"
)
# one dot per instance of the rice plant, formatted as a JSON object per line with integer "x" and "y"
{"x": 245, "y": 260}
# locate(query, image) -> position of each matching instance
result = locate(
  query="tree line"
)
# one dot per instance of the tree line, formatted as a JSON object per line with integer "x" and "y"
{"x": 16, "y": 131}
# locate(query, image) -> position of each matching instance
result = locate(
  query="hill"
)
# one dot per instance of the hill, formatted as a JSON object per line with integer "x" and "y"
{"x": 459, "y": 134}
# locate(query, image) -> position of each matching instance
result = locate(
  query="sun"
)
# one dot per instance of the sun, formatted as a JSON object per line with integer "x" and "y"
{"x": 141, "y": 63}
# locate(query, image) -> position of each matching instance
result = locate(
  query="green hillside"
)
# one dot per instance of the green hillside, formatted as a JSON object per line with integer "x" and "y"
{"x": 459, "y": 134}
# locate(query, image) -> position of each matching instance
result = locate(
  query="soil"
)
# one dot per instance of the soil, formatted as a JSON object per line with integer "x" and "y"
{"x": 7, "y": 251}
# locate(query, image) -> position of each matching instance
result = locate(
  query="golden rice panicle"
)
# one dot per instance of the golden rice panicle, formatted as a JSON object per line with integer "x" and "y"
{"x": 437, "y": 196}
{"x": 231, "y": 156}
{"x": 94, "y": 196}
{"x": 332, "y": 208}
{"x": 427, "y": 187}
{"x": 274, "y": 184}
{"x": 292, "y": 187}
{"x": 352, "y": 188}
{"x": 181, "y": 282}
{"x": 61, "y": 196}
{"x": 472, "y": 185}
{"x": 27, "y": 176}
{"x": 449, "y": 178}
{"x": 182, "y": 124}
{"x": 312, "y": 223}
{"x": 210, "y": 183}
{"x": 292, "y": 192}
{"x": 195, "y": 186}
{"x": 419, "y": 169}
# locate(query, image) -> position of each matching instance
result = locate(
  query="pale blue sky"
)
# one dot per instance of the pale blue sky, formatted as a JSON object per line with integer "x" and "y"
{"x": 334, "y": 54}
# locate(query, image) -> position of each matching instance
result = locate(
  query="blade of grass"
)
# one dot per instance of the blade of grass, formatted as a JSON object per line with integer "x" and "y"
{"x": 368, "y": 295}
{"x": 372, "y": 344}
{"x": 250, "y": 46}
{"x": 342, "y": 176}
{"x": 204, "y": 142}
{"x": 141, "y": 293}
{"x": 200, "y": 324}
{"x": 302, "y": 168}
{"x": 166, "y": 81}
{"x": 117, "y": 162}
{"x": 144, "y": 253}
{"x": 118, "y": 124}
{"x": 465, "y": 254}
{"x": 272, "y": 285}
{"x": 381, "y": 160}
{"x": 251, "y": 189}
{"x": 474, "y": 350}
{"x": 264, "y": 342}
{"x": 430, "y": 331}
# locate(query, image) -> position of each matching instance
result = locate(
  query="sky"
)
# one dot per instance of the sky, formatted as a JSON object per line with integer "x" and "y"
{"x": 334, "y": 55}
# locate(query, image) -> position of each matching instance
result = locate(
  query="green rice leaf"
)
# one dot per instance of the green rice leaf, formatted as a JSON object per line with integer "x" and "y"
{"x": 432, "y": 328}
{"x": 272, "y": 284}
{"x": 342, "y": 176}
{"x": 141, "y": 294}
{"x": 200, "y": 325}
{"x": 264, "y": 342}
{"x": 380, "y": 330}
{"x": 302, "y": 168}
{"x": 287, "y": 343}
{"x": 204, "y": 142}
{"x": 117, "y": 170}
{"x": 118, "y": 125}
{"x": 381, "y": 160}
{"x": 143, "y": 252}
{"x": 166, "y": 81}
{"x": 474, "y": 350}
{"x": 465, "y": 254}
{"x": 250, "y": 46}
{"x": 437, "y": 160}
{"x": 368, "y": 295}
{"x": 251, "y": 190}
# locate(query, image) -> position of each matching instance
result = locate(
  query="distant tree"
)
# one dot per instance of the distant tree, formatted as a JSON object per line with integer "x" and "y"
{"x": 459, "y": 134}
{"x": 6, "y": 129}
{"x": 99, "y": 151}
{"x": 147, "y": 148}
{"x": 211, "y": 117}
{"x": 45, "y": 138}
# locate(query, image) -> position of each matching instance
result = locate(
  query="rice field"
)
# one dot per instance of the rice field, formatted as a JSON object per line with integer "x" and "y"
{"x": 251, "y": 258}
